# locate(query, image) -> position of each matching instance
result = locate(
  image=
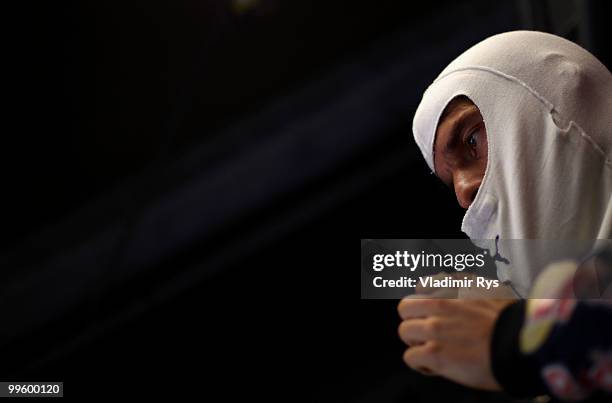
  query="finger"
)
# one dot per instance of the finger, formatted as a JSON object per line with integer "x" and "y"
{"x": 413, "y": 307}
{"x": 441, "y": 293}
{"x": 424, "y": 358}
{"x": 414, "y": 343}
{"x": 425, "y": 371}
{"x": 444, "y": 293}
{"x": 415, "y": 331}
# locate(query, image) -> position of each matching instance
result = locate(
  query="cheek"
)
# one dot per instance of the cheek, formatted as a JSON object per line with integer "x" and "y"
{"x": 444, "y": 172}
{"x": 482, "y": 167}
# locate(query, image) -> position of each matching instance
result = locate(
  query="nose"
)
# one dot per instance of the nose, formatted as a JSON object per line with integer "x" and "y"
{"x": 467, "y": 183}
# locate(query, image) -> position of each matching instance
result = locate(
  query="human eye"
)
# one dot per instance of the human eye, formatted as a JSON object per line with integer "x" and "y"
{"x": 472, "y": 142}
{"x": 472, "y": 139}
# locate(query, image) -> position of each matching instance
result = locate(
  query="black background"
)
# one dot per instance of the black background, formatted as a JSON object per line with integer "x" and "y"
{"x": 114, "y": 106}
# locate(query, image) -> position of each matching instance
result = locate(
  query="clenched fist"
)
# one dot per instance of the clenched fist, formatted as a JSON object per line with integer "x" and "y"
{"x": 451, "y": 337}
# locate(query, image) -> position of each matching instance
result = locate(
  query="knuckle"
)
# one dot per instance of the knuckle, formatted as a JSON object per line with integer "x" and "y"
{"x": 407, "y": 357}
{"x": 403, "y": 308}
{"x": 438, "y": 304}
{"x": 402, "y": 331}
{"x": 436, "y": 359}
{"x": 433, "y": 325}
{"x": 433, "y": 350}
{"x": 400, "y": 308}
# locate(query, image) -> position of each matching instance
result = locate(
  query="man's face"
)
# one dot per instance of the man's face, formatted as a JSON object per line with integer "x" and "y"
{"x": 460, "y": 149}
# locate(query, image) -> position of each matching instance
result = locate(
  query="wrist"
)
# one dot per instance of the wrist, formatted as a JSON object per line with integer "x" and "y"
{"x": 517, "y": 373}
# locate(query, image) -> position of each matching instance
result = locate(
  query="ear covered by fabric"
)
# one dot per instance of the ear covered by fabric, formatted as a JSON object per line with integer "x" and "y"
{"x": 547, "y": 109}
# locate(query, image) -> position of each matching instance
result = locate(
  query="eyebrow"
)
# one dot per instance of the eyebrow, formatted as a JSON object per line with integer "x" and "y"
{"x": 457, "y": 126}
{"x": 455, "y": 136}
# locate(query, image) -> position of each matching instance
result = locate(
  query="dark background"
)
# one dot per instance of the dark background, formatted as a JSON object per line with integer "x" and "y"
{"x": 185, "y": 184}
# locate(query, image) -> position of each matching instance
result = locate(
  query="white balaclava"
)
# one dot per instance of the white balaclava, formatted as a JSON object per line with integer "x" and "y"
{"x": 547, "y": 110}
